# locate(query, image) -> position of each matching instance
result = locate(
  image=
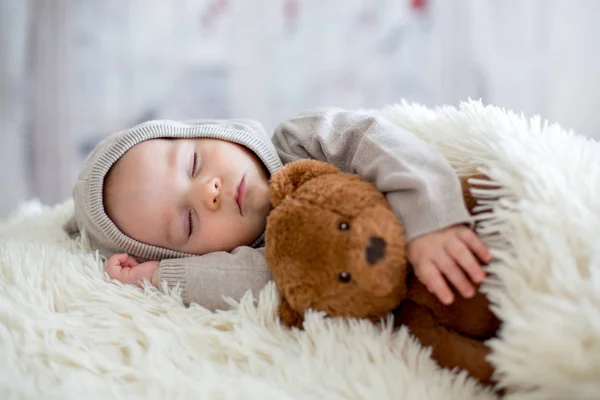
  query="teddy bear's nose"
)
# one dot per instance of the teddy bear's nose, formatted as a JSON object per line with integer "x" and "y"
{"x": 375, "y": 250}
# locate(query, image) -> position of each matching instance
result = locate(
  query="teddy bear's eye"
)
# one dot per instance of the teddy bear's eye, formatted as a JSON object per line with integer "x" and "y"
{"x": 344, "y": 226}
{"x": 345, "y": 277}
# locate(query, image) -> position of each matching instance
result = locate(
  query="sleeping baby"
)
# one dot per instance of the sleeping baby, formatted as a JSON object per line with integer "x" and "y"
{"x": 186, "y": 203}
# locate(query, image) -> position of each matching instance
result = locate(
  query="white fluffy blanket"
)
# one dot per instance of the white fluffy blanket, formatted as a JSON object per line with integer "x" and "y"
{"x": 67, "y": 332}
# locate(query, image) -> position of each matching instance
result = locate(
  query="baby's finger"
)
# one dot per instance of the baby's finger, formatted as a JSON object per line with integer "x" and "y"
{"x": 431, "y": 277}
{"x": 130, "y": 262}
{"x": 454, "y": 274}
{"x": 466, "y": 260}
{"x": 469, "y": 238}
{"x": 113, "y": 270}
{"x": 118, "y": 258}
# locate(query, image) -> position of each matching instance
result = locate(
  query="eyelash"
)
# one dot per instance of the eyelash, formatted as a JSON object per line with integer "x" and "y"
{"x": 194, "y": 164}
{"x": 190, "y": 213}
{"x": 191, "y": 220}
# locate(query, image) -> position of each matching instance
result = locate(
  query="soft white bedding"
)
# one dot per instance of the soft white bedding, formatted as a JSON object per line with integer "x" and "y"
{"x": 66, "y": 332}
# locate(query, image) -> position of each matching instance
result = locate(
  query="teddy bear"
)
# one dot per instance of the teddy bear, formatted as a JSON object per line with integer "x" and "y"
{"x": 334, "y": 245}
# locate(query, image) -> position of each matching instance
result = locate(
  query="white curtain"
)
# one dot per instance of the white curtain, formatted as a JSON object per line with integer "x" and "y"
{"x": 535, "y": 56}
{"x": 73, "y": 71}
{"x": 14, "y": 151}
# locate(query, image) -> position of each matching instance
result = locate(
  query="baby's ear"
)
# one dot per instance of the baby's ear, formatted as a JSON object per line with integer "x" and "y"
{"x": 290, "y": 177}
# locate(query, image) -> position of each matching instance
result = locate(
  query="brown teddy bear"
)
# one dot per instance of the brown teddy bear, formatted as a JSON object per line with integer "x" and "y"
{"x": 334, "y": 245}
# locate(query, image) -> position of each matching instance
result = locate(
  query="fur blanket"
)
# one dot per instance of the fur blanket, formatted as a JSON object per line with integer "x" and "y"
{"x": 67, "y": 332}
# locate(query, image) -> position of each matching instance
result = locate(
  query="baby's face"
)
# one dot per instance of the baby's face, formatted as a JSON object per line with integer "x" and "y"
{"x": 192, "y": 195}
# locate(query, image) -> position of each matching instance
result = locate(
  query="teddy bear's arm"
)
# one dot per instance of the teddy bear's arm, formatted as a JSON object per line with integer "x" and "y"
{"x": 450, "y": 349}
{"x": 470, "y": 317}
{"x": 288, "y": 316}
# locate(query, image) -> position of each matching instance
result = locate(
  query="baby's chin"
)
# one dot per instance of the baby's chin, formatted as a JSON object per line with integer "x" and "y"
{"x": 255, "y": 232}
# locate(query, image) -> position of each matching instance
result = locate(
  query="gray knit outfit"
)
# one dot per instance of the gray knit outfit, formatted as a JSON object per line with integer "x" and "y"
{"x": 418, "y": 182}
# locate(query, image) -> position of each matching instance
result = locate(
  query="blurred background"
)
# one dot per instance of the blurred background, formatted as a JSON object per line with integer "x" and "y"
{"x": 74, "y": 71}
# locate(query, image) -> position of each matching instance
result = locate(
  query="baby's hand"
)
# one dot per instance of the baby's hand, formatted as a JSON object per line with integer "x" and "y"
{"x": 446, "y": 253}
{"x": 126, "y": 269}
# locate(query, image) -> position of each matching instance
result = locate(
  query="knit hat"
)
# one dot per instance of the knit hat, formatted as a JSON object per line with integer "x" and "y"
{"x": 90, "y": 219}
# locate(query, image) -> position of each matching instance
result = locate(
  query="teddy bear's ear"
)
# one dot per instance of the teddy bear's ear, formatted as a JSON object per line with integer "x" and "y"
{"x": 290, "y": 177}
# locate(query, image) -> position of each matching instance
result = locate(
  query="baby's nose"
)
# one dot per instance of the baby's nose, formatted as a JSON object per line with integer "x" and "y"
{"x": 212, "y": 197}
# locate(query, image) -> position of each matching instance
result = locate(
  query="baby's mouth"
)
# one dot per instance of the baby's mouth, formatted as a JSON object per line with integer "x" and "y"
{"x": 240, "y": 194}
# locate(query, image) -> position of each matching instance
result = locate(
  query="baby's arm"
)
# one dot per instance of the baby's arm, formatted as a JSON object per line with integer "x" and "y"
{"x": 418, "y": 181}
{"x": 205, "y": 279}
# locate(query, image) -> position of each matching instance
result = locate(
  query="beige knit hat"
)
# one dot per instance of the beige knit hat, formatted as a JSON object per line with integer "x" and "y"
{"x": 90, "y": 219}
